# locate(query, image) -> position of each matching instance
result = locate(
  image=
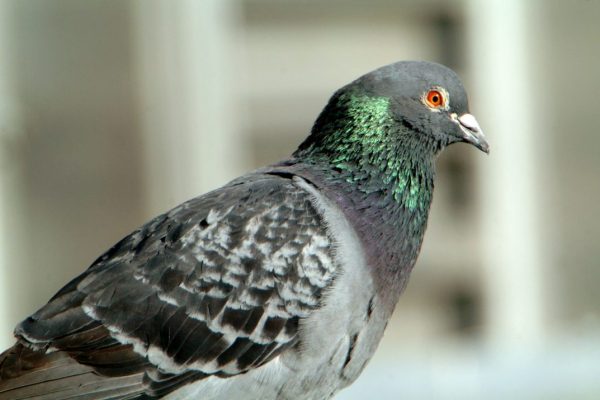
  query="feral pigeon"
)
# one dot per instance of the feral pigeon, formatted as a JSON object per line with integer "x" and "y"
{"x": 279, "y": 284}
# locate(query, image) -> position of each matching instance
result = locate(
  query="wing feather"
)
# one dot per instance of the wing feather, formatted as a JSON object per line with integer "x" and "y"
{"x": 216, "y": 286}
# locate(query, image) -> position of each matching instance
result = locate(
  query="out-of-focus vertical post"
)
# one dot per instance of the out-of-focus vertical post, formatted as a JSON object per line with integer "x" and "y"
{"x": 187, "y": 97}
{"x": 503, "y": 92}
{"x": 9, "y": 174}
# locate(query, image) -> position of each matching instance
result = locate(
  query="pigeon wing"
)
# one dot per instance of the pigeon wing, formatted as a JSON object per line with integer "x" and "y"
{"x": 216, "y": 286}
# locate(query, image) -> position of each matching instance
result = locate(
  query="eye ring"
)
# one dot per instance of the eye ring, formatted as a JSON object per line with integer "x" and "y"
{"x": 435, "y": 98}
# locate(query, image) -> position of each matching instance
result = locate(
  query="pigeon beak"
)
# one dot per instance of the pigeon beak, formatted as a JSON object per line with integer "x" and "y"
{"x": 471, "y": 131}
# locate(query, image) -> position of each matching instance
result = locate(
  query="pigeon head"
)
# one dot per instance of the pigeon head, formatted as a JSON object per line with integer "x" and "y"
{"x": 408, "y": 106}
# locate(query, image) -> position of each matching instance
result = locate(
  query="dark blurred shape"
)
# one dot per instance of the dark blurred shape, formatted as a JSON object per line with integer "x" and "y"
{"x": 465, "y": 306}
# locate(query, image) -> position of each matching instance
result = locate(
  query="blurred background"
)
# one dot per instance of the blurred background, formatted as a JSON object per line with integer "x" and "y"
{"x": 114, "y": 111}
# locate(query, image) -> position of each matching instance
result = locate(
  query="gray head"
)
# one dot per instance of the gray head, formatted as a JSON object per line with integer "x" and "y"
{"x": 409, "y": 101}
{"x": 428, "y": 96}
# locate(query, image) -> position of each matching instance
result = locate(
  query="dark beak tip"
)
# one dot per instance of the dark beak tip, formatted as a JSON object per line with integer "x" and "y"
{"x": 476, "y": 139}
{"x": 471, "y": 132}
{"x": 484, "y": 147}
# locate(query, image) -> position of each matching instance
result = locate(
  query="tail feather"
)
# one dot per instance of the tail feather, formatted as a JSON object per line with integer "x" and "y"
{"x": 35, "y": 374}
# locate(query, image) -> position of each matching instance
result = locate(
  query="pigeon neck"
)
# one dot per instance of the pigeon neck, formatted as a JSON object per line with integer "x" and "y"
{"x": 388, "y": 211}
{"x": 380, "y": 172}
{"x": 358, "y": 141}
{"x": 401, "y": 179}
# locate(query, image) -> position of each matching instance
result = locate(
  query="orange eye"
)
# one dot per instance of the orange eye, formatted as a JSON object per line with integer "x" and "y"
{"x": 435, "y": 99}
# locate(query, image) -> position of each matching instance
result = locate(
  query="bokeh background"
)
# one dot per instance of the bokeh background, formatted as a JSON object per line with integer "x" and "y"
{"x": 114, "y": 111}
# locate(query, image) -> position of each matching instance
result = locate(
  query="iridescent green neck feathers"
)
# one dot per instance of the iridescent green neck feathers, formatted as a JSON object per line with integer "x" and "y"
{"x": 360, "y": 140}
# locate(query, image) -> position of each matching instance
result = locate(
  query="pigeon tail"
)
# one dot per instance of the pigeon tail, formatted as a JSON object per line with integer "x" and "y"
{"x": 28, "y": 374}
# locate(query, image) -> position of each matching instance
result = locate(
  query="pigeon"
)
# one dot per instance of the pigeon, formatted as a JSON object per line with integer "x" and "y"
{"x": 278, "y": 285}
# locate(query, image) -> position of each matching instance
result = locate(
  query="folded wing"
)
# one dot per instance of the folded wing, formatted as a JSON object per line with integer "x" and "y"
{"x": 216, "y": 286}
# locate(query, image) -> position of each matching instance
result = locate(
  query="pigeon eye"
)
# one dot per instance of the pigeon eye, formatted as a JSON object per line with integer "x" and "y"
{"x": 435, "y": 99}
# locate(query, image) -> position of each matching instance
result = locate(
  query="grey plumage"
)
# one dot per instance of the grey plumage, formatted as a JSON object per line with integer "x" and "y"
{"x": 276, "y": 286}
{"x": 215, "y": 286}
